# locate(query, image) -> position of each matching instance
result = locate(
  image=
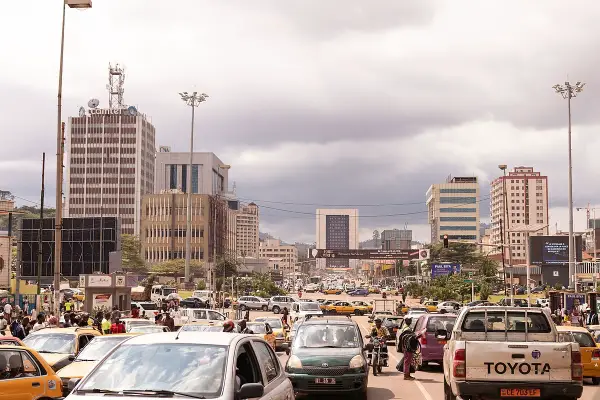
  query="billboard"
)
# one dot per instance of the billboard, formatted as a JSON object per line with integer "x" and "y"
{"x": 574, "y": 300}
{"x": 366, "y": 254}
{"x": 444, "y": 269}
{"x": 550, "y": 250}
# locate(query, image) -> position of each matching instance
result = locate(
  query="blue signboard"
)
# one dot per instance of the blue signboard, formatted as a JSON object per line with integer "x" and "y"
{"x": 444, "y": 269}
{"x": 572, "y": 299}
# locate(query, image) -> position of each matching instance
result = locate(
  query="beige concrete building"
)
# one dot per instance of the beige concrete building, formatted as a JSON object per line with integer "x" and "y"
{"x": 5, "y": 254}
{"x": 164, "y": 227}
{"x": 273, "y": 249}
{"x": 247, "y": 240}
{"x": 110, "y": 165}
{"x": 527, "y": 200}
{"x": 453, "y": 209}
{"x": 337, "y": 229}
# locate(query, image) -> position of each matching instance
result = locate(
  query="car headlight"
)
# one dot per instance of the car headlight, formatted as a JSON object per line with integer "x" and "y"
{"x": 294, "y": 363}
{"x": 356, "y": 362}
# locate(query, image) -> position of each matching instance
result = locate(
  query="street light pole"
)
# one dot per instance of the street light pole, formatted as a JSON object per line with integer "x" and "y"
{"x": 505, "y": 213}
{"x": 81, "y": 4}
{"x": 567, "y": 91}
{"x": 193, "y": 100}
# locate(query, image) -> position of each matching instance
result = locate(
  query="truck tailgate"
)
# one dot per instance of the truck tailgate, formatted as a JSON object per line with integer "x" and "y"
{"x": 509, "y": 361}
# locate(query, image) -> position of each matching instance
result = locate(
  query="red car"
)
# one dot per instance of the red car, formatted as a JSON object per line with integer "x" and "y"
{"x": 432, "y": 349}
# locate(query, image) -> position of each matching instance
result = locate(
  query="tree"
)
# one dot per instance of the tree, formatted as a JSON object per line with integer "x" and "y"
{"x": 131, "y": 258}
{"x": 26, "y": 212}
{"x": 226, "y": 267}
{"x": 176, "y": 268}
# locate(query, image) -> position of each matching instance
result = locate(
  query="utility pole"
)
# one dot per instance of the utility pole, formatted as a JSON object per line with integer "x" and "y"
{"x": 503, "y": 263}
{"x": 568, "y": 91}
{"x": 193, "y": 100}
{"x": 41, "y": 230}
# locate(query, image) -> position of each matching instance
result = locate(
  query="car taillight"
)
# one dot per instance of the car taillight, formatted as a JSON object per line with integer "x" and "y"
{"x": 459, "y": 368}
{"x": 423, "y": 338}
{"x": 576, "y": 366}
{"x": 596, "y": 353}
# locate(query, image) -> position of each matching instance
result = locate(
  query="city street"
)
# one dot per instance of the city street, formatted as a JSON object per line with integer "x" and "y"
{"x": 390, "y": 384}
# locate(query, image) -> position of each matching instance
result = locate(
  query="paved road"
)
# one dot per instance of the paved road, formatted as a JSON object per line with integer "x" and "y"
{"x": 390, "y": 384}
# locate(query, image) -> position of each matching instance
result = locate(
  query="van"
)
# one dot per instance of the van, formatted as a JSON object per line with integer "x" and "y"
{"x": 161, "y": 292}
{"x": 303, "y": 308}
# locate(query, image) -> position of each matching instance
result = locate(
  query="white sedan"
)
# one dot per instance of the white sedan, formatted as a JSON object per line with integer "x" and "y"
{"x": 448, "y": 307}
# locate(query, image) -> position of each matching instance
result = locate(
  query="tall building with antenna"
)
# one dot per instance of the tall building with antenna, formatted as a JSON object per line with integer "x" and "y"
{"x": 110, "y": 158}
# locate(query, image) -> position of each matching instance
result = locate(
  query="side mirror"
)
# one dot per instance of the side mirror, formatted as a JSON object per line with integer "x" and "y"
{"x": 72, "y": 383}
{"x": 441, "y": 334}
{"x": 250, "y": 391}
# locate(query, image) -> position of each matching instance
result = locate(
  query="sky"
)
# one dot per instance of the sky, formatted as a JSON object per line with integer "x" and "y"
{"x": 321, "y": 104}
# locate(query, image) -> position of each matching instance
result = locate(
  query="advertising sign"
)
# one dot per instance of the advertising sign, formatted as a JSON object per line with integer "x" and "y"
{"x": 102, "y": 300}
{"x": 99, "y": 281}
{"x": 444, "y": 269}
{"x": 574, "y": 300}
{"x": 552, "y": 250}
{"x": 362, "y": 254}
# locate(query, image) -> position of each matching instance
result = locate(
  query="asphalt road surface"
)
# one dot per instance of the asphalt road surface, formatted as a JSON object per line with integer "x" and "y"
{"x": 390, "y": 383}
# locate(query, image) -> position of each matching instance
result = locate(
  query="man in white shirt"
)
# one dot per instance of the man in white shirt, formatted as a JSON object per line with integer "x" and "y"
{"x": 7, "y": 311}
{"x": 40, "y": 324}
{"x": 3, "y": 322}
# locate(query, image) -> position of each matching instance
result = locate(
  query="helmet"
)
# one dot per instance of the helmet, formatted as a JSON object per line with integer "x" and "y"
{"x": 228, "y": 326}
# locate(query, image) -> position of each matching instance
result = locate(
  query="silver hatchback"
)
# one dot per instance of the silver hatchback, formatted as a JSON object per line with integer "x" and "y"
{"x": 253, "y": 303}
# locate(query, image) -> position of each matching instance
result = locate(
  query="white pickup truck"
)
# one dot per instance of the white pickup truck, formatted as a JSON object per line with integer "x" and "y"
{"x": 509, "y": 352}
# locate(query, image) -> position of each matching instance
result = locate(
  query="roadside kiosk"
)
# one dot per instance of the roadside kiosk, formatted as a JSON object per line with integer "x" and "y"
{"x": 106, "y": 291}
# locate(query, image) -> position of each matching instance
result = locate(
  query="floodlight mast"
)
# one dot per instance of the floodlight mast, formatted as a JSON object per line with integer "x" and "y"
{"x": 568, "y": 91}
{"x": 193, "y": 100}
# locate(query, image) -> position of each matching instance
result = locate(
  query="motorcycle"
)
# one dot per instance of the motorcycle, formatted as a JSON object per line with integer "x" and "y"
{"x": 377, "y": 358}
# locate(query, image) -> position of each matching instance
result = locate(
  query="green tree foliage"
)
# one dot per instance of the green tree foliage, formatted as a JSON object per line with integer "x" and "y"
{"x": 131, "y": 257}
{"x": 201, "y": 285}
{"x": 226, "y": 267}
{"x": 485, "y": 291}
{"x": 24, "y": 212}
{"x": 176, "y": 268}
{"x": 259, "y": 285}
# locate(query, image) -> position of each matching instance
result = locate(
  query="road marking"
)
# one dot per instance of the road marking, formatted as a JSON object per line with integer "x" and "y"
{"x": 424, "y": 391}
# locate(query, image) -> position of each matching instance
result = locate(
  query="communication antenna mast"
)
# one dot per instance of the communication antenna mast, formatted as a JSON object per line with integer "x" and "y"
{"x": 116, "y": 81}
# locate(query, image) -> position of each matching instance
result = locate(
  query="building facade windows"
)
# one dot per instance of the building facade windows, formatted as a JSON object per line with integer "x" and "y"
{"x": 457, "y": 219}
{"x": 458, "y": 200}
{"x": 184, "y": 178}
{"x": 459, "y": 237}
{"x": 195, "y": 178}
{"x": 458, "y": 210}
{"x": 458, "y": 228}
{"x": 458, "y": 190}
{"x": 173, "y": 177}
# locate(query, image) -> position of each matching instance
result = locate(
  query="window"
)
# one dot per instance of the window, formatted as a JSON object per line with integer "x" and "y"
{"x": 195, "y": 178}
{"x": 457, "y": 200}
{"x": 248, "y": 370}
{"x": 584, "y": 339}
{"x": 215, "y": 316}
{"x": 18, "y": 364}
{"x": 458, "y": 228}
{"x": 267, "y": 359}
{"x": 455, "y": 219}
{"x": 184, "y": 178}
{"x": 498, "y": 322}
{"x": 458, "y": 190}
{"x": 458, "y": 210}
{"x": 173, "y": 177}
{"x": 436, "y": 323}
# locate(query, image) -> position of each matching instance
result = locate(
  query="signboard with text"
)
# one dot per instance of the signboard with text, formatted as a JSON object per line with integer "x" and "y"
{"x": 367, "y": 254}
{"x": 444, "y": 269}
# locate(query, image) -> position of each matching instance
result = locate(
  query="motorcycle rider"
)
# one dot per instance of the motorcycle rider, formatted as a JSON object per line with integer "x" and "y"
{"x": 381, "y": 331}
{"x": 229, "y": 327}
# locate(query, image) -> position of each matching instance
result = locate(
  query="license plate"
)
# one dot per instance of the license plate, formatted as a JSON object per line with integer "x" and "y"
{"x": 326, "y": 381}
{"x": 519, "y": 392}
{"x": 441, "y": 341}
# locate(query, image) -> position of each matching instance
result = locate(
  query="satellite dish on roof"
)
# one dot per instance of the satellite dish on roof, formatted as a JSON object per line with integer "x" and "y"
{"x": 93, "y": 103}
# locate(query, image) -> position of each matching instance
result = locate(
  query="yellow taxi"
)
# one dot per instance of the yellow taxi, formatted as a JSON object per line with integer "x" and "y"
{"x": 374, "y": 289}
{"x": 325, "y": 304}
{"x": 590, "y": 353}
{"x": 264, "y": 331}
{"x": 332, "y": 291}
{"x": 60, "y": 346}
{"x": 87, "y": 359}
{"x": 431, "y": 306}
{"x": 363, "y": 304}
{"x": 344, "y": 307}
{"x": 26, "y": 375}
{"x": 280, "y": 331}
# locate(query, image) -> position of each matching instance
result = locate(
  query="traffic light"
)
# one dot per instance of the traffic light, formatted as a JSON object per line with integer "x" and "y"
{"x": 445, "y": 241}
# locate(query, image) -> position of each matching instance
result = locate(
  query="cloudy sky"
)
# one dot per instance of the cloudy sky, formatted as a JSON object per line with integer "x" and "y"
{"x": 321, "y": 103}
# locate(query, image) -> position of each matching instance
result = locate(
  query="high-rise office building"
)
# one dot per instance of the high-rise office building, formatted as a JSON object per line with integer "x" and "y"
{"x": 247, "y": 239}
{"x": 527, "y": 200}
{"x": 396, "y": 239}
{"x": 209, "y": 173}
{"x": 453, "y": 209}
{"x": 337, "y": 229}
{"x": 110, "y": 165}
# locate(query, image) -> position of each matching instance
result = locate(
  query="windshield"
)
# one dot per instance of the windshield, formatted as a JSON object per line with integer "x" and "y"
{"x": 584, "y": 339}
{"x": 202, "y": 328}
{"x": 316, "y": 336}
{"x": 309, "y": 307}
{"x": 52, "y": 342}
{"x": 168, "y": 291}
{"x": 195, "y": 369}
{"x": 257, "y": 328}
{"x": 146, "y": 329}
{"x": 99, "y": 347}
{"x": 275, "y": 323}
{"x": 148, "y": 306}
{"x": 515, "y": 322}
{"x": 436, "y": 323}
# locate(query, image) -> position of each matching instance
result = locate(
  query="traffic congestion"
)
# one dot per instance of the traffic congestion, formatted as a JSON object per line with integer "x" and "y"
{"x": 329, "y": 341}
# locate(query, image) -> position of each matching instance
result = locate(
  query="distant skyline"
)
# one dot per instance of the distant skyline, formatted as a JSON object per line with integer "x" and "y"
{"x": 321, "y": 104}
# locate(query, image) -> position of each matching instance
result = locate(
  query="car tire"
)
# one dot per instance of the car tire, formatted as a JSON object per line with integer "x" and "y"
{"x": 265, "y": 308}
{"x": 276, "y": 309}
{"x": 357, "y": 312}
{"x": 596, "y": 381}
{"x": 243, "y": 307}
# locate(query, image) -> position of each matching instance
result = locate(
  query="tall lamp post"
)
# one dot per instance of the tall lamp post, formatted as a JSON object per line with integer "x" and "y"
{"x": 80, "y": 4}
{"x": 568, "y": 91}
{"x": 193, "y": 100}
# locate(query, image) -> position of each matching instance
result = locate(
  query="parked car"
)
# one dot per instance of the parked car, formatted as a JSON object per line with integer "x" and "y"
{"x": 147, "y": 308}
{"x": 432, "y": 349}
{"x": 252, "y": 303}
{"x": 359, "y": 292}
{"x": 448, "y": 307}
{"x": 193, "y": 302}
{"x": 277, "y": 303}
